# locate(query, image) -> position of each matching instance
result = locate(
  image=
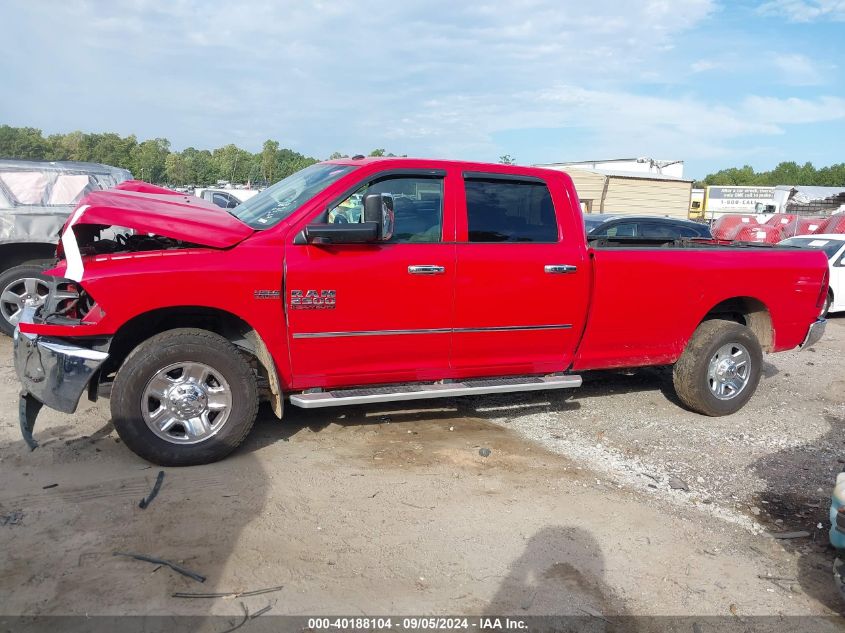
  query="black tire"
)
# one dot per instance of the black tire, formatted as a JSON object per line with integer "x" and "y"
{"x": 691, "y": 374}
{"x": 12, "y": 279}
{"x": 183, "y": 345}
{"x": 827, "y": 303}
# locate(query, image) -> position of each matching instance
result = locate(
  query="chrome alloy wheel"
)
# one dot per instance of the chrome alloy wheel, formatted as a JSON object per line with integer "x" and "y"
{"x": 20, "y": 294}
{"x": 729, "y": 371}
{"x": 186, "y": 403}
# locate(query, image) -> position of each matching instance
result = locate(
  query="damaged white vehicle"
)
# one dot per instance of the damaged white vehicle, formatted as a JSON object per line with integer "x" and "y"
{"x": 36, "y": 198}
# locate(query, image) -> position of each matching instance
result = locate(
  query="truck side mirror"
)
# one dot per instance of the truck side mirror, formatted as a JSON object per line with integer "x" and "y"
{"x": 378, "y": 207}
{"x": 376, "y": 225}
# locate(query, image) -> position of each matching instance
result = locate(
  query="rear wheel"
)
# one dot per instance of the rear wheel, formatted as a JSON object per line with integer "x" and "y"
{"x": 184, "y": 397}
{"x": 20, "y": 287}
{"x": 719, "y": 369}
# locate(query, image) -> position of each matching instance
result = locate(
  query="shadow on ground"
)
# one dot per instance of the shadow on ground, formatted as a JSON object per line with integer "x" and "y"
{"x": 561, "y": 571}
{"x": 799, "y": 481}
{"x": 484, "y": 407}
{"x": 91, "y": 508}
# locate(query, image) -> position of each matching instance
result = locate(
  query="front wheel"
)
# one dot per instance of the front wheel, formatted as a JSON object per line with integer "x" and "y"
{"x": 184, "y": 397}
{"x": 719, "y": 369}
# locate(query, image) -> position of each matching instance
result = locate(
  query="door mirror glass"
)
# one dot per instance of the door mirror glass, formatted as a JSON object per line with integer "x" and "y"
{"x": 378, "y": 207}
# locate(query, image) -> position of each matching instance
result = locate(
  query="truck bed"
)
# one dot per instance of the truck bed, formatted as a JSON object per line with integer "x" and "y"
{"x": 649, "y": 295}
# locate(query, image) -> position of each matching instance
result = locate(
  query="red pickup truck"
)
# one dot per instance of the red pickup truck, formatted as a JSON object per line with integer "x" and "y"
{"x": 372, "y": 280}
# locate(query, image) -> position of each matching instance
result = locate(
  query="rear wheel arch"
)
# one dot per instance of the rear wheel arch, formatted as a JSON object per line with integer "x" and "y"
{"x": 228, "y": 325}
{"x": 747, "y": 311}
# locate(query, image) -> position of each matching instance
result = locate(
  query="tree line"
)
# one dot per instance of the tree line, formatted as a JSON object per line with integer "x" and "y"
{"x": 786, "y": 173}
{"x": 153, "y": 160}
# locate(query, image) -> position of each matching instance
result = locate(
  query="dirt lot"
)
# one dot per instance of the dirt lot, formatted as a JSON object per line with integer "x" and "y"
{"x": 391, "y": 509}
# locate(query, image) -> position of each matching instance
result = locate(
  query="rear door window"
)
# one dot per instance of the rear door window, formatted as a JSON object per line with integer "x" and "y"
{"x": 500, "y": 210}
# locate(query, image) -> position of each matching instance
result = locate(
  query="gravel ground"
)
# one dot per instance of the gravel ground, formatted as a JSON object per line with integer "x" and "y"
{"x": 392, "y": 509}
{"x": 770, "y": 466}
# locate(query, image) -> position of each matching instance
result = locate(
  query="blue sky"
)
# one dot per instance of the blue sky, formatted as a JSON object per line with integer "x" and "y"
{"x": 714, "y": 83}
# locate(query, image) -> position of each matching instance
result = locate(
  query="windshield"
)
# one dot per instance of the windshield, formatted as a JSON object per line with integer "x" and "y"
{"x": 830, "y": 247}
{"x": 276, "y": 203}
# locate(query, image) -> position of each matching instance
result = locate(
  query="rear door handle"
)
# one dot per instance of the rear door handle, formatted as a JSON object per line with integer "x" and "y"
{"x": 426, "y": 269}
{"x": 560, "y": 269}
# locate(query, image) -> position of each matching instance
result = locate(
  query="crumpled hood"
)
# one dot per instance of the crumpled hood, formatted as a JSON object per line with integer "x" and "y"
{"x": 174, "y": 215}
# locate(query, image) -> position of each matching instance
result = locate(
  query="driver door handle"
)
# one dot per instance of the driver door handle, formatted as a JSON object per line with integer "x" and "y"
{"x": 560, "y": 269}
{"x": 426, "y": 269}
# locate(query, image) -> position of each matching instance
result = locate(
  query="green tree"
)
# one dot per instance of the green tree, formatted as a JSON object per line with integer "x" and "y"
{"x": 507, "y": 159}
{"x": 177, "y": 169}
{"x": 112, "y": 149}
{"x": 200, "y": 166}
{"x": 23, "y": 142}
{"x": 149, "y": 160}
{"x": 377, "y": 152}
{"x": 268, "y": 159}
{"x": 733, "y": 176}
{"x": 232, "y": 163}
{"x": 289, "y": 161}
{"x": 70, "y": 146}
{"x": 785, "y": 173}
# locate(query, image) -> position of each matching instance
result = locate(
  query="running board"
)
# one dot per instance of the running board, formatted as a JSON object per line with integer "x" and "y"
{"x": 392, "y": 393}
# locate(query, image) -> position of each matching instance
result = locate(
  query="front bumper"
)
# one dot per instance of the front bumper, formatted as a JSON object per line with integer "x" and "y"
{"x": 814, "y": 334}
{"x": 52, "y": 372}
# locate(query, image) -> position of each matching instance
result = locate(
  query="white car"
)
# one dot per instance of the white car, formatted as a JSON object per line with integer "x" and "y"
{"x": 225, "y": 198}
{"x": 833, "y": 245}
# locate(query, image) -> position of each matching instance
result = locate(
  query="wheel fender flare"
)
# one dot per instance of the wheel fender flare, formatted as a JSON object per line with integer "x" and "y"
{"x": 277, "y": 400}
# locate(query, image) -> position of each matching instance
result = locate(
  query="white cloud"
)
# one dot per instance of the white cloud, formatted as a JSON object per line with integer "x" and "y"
{"x": 620, "y": 122}
{"x": 795, "y": 111}
{"x": 333, "y": 73}
{"x": 434, "y": 77}
{"x": 704, "y": 65}
{"x": 798, "y": 70}
{"x": 805, "y": 10}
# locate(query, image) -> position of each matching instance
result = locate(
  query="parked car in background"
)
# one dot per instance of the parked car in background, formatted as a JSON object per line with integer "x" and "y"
{"x": 645, "y": 226}
{"x": 833, "y": 245}
{"x": 36, "y": 197}
{"x": 225, "y": 198}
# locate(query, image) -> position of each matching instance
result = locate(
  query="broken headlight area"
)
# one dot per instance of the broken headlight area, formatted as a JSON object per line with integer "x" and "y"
{"x": 67, "y": 303}
{"x": 97, "y": 239}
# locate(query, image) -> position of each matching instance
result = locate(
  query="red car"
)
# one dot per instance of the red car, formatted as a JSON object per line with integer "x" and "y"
{"x": 356, "y": 281}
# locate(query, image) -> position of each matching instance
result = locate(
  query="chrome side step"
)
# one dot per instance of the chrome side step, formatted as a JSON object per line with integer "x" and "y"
{"x": 391, "y": 393}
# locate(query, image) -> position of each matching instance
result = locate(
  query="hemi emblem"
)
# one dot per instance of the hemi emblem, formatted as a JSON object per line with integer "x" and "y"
{"x": 312, "y": 299}
{"x": 266, "y": 294}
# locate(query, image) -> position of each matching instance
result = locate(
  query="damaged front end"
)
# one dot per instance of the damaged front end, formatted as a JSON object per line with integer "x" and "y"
{"x": 61, "y": 346}
{"x": 52, "y": 372}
